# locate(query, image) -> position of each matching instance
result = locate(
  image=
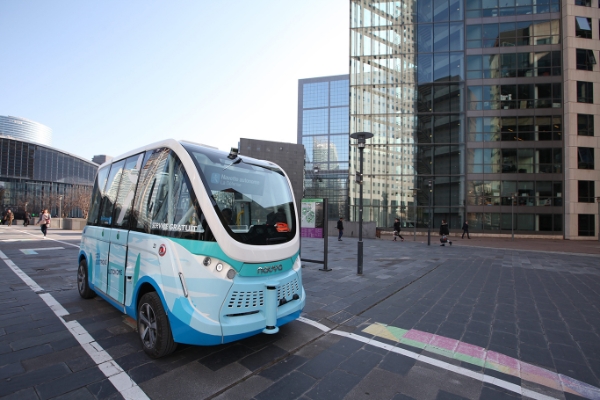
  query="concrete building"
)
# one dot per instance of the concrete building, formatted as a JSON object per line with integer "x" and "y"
{"x": 289, "y": 156}
{"x": 323, "y": 130}
{"x": 491, "y": 102}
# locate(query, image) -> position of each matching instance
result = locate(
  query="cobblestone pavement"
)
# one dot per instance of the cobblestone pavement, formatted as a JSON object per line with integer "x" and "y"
{"x": 453, "y": 322}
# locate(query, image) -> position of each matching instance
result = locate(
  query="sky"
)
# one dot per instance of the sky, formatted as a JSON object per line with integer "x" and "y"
{"x": 113, "y": 75}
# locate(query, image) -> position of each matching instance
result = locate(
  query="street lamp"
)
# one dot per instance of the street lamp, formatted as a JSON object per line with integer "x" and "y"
{"x": 60, "y": 212}
{"x": 430, "y": 184}
{"x": 512, "y": 215}
{"x": 415, "y": 190}
{"x": 361, "y": 138}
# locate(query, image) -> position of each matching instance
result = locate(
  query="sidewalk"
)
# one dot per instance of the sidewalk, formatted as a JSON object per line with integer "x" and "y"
{"x": 545, "y": 245}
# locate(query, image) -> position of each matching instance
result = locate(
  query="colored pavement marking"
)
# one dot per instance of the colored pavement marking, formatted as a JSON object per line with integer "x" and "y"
{"x": 34, "y": 251}
{"x": 479, "y": 356}
{"x": 16, "y": 240}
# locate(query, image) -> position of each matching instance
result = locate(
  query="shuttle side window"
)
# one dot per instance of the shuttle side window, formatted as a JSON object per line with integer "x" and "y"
{"x": 126, "y": 192}
{"x": 97, "y": 194}
{"x": 109, "y": 196}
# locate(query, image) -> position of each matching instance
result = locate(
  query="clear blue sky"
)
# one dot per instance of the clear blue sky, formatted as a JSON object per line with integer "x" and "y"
{"x": 109, "y": 76}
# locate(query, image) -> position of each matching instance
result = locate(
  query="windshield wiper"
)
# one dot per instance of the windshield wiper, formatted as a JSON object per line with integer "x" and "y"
{"x": 236, "y": 161}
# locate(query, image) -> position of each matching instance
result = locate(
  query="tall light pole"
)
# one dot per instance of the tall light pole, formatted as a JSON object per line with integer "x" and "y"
{"x": 60, "y": 212}
{"x": 415, "y": 190}
{"x": 361, "y": 138}
{"x": 512, "y": 215}
{"x": 430, "y": 184}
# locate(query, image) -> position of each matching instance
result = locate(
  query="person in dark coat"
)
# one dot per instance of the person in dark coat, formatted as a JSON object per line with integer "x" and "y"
{"x": 340, "y": 228}
{"x": 465, "y": 229}
{"x": 26, "y": 219}
{"x": 397, "y": 230}
{"x": 444, "y": 232}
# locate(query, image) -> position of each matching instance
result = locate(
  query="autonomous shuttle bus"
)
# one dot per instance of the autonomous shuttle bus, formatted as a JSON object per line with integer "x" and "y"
{"x": 198, "y": 245}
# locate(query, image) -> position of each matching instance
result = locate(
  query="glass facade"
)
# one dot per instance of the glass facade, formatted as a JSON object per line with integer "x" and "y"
{"x": 21, "y": 128}
{"x": 36, "y": 177}
{"x": 323, "y": 129}
{"x": 470, "y": 103}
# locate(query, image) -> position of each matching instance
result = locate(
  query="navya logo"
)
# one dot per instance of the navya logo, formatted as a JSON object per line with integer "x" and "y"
{"x": 268, "y": 270}
{"x": 215, "y": 177}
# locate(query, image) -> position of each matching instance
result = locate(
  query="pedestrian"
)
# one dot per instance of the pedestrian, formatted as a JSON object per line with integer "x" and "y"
{"x": 340, "y": 228}
{"x": 444, "y": 232}
{"x": 9, "y": 217}
{"x": 465, "y": 229}
{"x": 397, "y": 230}
{"x": 45, "y": 221}
{"x": 26, "y": 219}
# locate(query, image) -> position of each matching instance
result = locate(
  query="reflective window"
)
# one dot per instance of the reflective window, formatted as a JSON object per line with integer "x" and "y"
{"x": 510, "y": 65}
{"x": 586, "y": 225}
{"x": 495, "y": 97}
{"x": 338, "y": 93}
{"x": 511, "y": 161}
{"x": 513, "y": 34}
{"x": 97, "y": 194}
{"x": 585, "y": 124}
{"x": 315, "y": 95}
{"x": 585, "y": 92}
{"x": 338, "y": 120}
{"x": 583, "y": 28}
{"x": 586, "y": 192}
{"x": 519, "y": 193}
{"x": 126, "y": 191}
{"x": 314, "y": 122}
{"x": 585, "y": 158}
{"x": 110, "y": 193}
{"x": 493, "y": 8}
{"x": 585, "y": 59}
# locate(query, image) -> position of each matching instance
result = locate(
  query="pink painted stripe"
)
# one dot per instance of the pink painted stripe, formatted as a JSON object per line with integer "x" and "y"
{"x": 471, "y": 350}
{"x": 503, "y": 360}
{"x": 589, "y": 391}
{"x": 419, "y": 336}
{"x": 444, "y": 342}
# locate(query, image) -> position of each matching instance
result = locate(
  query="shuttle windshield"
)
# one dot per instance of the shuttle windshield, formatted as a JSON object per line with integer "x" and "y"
{"x": 253, "y": 198}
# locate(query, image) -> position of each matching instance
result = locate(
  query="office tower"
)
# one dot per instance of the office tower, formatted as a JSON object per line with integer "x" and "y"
{"x": 22, "y": 128}
{"x": 323, "y": 130}
{"x": 489, "y": 100}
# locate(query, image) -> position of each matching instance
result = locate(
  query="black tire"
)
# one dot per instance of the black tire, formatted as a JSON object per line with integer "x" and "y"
{"x": 83, "y": 283}
{"x": 153, "y": 327}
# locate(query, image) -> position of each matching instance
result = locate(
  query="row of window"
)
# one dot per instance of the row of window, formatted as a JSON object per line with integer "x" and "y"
{"x": 163, "y": 196}
{"x": 512, "y": 161}
{"x": 493, "y": 129}
{"x": 497, "y": 97}
{"x": 516, "y": 193}
{"x": 518, "y": 222}
{"x": 524, "y": 33}
{"x": 495, "y": 8}
{"x": 510, "y": 65}
{"x": 325, "y": 94}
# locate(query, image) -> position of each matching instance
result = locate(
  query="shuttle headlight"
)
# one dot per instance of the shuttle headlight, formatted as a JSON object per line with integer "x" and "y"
{"x": 219, "y": 267}
{"x": 231, "y": 273}
{"x": 206, "y": 261}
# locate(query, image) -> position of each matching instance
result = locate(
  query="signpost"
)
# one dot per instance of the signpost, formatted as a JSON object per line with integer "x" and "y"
{"x": 313, "y": 216}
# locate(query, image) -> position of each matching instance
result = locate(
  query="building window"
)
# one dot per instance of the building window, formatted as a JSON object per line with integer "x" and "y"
{"x": 586, "y": 224}
{"x": 583, "y": 27}
{"x": 585, "y": 59}
{"x": 585, "y": 124}
{"x": 585, "y": 92}
{"x": 585, "y": 191}
{"x": 584, "y": 3}
{"x": 585, "y": 158}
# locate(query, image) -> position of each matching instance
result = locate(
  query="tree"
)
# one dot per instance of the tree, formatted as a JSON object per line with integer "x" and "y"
{"x": 82, "y": 197}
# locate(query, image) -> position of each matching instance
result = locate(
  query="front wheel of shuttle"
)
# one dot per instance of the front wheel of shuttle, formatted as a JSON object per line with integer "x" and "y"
{"x": 83, "y": 282}
{"x": 153, "y": 327}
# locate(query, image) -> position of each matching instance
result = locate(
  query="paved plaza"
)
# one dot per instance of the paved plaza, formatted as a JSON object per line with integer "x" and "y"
{"x": 467, "y": 321}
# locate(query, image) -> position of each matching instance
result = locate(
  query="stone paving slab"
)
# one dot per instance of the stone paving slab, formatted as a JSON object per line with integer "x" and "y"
{"x": 530, "y": 307}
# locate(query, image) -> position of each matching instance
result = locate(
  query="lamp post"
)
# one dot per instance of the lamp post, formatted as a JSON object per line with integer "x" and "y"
{"x": 415, "y": 190}
{"x": 361, "y": 138}
{"x": 512, "y": 215}
{"x": 430, "y": 184}
{"x": 60, "y": 212}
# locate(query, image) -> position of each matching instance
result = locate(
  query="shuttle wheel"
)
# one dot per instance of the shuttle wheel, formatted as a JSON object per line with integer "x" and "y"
{"x": 83, "y": 283}
{"x": 153, "y": 327}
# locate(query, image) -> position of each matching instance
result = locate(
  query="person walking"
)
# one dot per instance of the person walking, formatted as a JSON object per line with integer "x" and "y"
{"x": 397, "y": 230}
{"x": 45, "y": 221}
{"x": 444, "y": 232}
{"x": 465, "y": 229}
{"x": 340, "y": 228}
{"x": 26, "y": 219}
{"x": 9, "y": 217}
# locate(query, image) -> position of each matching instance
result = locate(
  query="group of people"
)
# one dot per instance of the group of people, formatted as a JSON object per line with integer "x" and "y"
{"x": 43, "y": 221}
{"x": 444, "y": 231}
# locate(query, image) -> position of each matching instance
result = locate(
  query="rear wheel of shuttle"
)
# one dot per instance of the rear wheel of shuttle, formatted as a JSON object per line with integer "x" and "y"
{"x": 153, "y": 327}
{"x": 83, "y": 283}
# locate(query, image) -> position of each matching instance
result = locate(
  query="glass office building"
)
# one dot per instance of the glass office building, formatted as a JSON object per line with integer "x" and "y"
{"x": 35, "y": 176}
{"x": 480, "y": 109}
{"x": 324, "y": 131}
{"x": 21, "y": 128}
